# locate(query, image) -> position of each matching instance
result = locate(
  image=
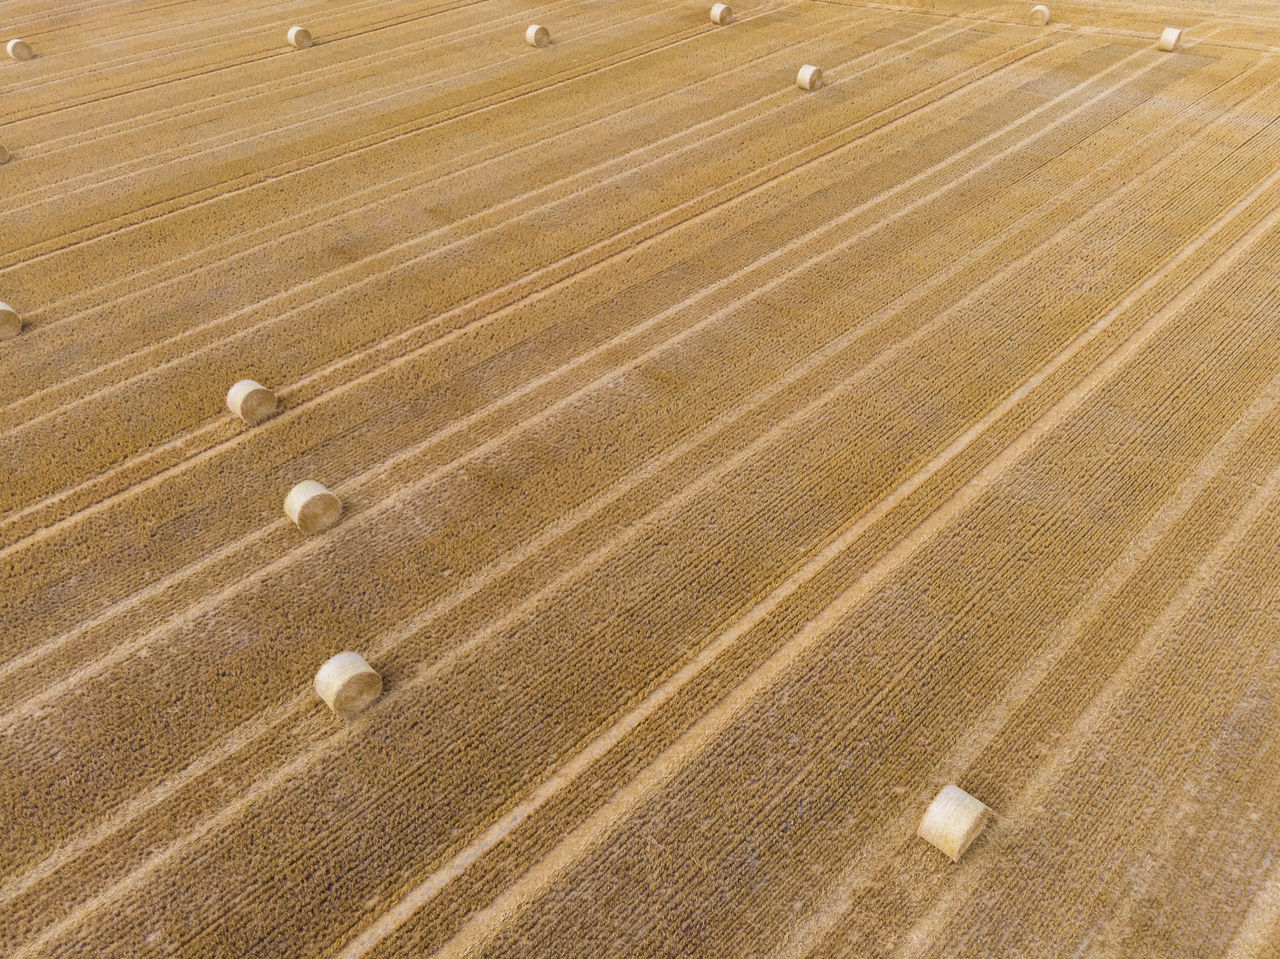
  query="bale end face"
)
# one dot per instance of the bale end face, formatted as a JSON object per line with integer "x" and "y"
{"x": 721, "y": 14}
{"x": 19, "y": 49}
{"x": 1040, "y": 15}
{"x": 312, "y": 508}
{"x": 299, "y": 38}
{"x": 1169, "y": 38}
{"x": 537, "y": 36}
{"x": 10, "y": 322}
{"x": 251, "y": 401}
{"x": 953, "y": 821}
{"x": 348, "y": 684}
{"x": 809, "y": 77}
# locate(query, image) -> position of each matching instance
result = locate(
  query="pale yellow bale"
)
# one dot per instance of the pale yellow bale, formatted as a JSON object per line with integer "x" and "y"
{"x": 348, "y": 684}
{"x": 1169, "y": 39}
{"x": 312, "y": 508}
{"x": 952, "y": 821}
{"x": 809, "y": 77}
{"x": 10, "y": 322}
{"x": 251, "y": 401}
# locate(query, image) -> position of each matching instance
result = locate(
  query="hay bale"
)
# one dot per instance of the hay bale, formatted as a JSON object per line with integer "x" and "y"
{"x": 312, "y": 508}
{"x": 19, "y": 50}
{"x": 953, "y": 821}
{"x": 809, "y": 77}
{"x": 251, "y": 401}
{"x": 10, "y": 322}
{"x": 299, "y": 37}
{"x": 537, "y": 36}
{"x": 4, "y": 154}
{"x": 1040, "y": 15}
{"x": 1169, "y": 38}
{"x": 721, "y": 14}
{"x": 348, "y": 684}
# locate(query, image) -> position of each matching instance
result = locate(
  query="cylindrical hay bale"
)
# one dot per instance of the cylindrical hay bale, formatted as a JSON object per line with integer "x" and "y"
{"x": 721, "y": 14}
{"x": 4, "y": 154}
{"x": 10, "y": 322}
{"x": 19, "y": 50}
{"x": 312, "y": 507}
{"x": 299, "y": 37}
{"x": 1040, "y": 15}
{"x": 251, "y": 401}
{"x": 952, "y": 821}
{"x": 348, "y": 684}
{"x": 809, "y": 77}
{"x": 1169, "y": 38}
{"x": 537, "y": 36}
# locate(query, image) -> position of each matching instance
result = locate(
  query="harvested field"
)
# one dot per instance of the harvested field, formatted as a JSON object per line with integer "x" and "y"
{"x": 724, "y": 469}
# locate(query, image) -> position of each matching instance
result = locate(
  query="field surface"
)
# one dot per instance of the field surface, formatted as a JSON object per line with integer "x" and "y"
{"x": 726, "y": 469}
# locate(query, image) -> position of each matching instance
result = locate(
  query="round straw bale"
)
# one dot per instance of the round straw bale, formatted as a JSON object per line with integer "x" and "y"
{"x": 19, "y": 50}
{"x": 1169, "y": 38}
{"x": 312, "y": 507}
{"x": 348, "y": 684}
{"x": 10, "y": 322}
{"x": 251, "y": 401}
{"x": 721, "y": 14}
{"x": 809, "y": 77}
{"x": 4, "y": 154}
{"x": 952, "y": 821}
{"x": 299, "y": 37}
{"x": 537, "y": 36}
{"x": 1040, "y": 15}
